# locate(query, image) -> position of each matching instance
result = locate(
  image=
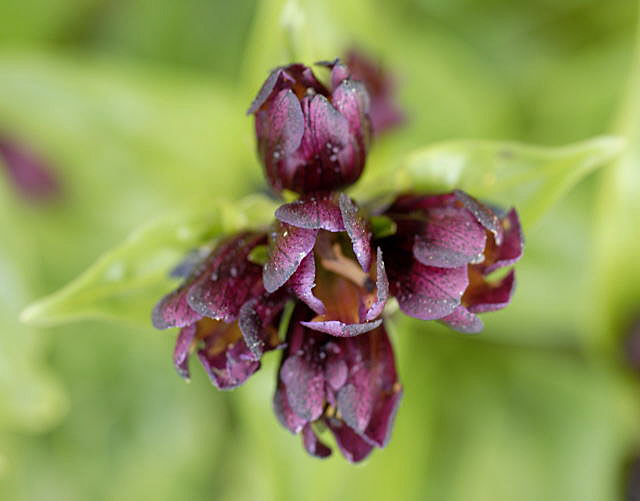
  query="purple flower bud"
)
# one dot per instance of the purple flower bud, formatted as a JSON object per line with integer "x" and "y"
{"x": 441, "y": 253}
{"x": 32, "y": 177}
{"x": 224, "y": 313}
{"x": 309, "y": 137}
{"x": 348, "y": 384}
{"x": 384, "y": 111}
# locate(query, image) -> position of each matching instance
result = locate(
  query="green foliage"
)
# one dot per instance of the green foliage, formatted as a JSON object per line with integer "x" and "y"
{"x": 615, "y": 292}
{"x": 127, "y": 281}
{"x": 530, "y": 178}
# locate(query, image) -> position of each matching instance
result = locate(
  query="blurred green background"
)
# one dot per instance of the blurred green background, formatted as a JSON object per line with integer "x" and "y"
{"x": 139, "y": 107}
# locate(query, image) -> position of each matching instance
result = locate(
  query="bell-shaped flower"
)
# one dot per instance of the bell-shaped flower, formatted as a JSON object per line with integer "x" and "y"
{"x": 311, "y": 137}
{"x": 441, "y": 253}
{"x": 348, "y": 385}
{"x": 320, "y": 252}
{"x": 224, "y": 313}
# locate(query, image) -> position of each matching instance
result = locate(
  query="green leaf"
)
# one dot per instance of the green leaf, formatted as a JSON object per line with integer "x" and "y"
{"x": 531, "y": 178}
{"x": 614, "y": 302}
{"x": 125, "y": 282}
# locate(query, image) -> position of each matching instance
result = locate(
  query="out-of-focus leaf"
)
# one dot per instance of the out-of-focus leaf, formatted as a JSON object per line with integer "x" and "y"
{"x": 31, "y": 399}
{"x": 530, "y": 178}
{"x": 126, "y": 282}
{"x": 615, "y": 285}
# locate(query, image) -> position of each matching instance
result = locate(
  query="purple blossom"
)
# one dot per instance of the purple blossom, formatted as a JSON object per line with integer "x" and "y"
{"x": 223, "y": 312}
{"x": 320, "y": 251}
{"x": 348, "y": 385}
{"x": 384, "y": 111}
{"x": 337, "y": 371}
{"x": 31, "y": 175}
{"x": 443, "y": 249}
{"x": 311, "y": 137}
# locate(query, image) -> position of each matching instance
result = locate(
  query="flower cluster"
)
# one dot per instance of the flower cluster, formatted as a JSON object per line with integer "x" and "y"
{"x": 322, "y": 256}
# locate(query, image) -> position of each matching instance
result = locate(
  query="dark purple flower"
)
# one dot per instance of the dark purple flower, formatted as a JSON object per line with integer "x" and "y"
{"x": 320, "y": 251}
{"x": 348, "y": 385}
{"x": 31, "y": 175}
{"x": 310, "y": 137}
{"x": 223, "y": 312}
{"x": 384, "y": 112}
{"x": 441, "y": 253}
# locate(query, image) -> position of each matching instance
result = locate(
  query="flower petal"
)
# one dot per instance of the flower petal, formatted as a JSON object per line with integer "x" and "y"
{"x": 483, "y": 214}
{"x": 182, "y": 350}
{"x": 382, "y": 290}
{"x": 304, "y": 381}
{"x": 450, "y": 238}
{"x": 287, "y": 250}
{"x": 352, "y": 446}
{"x": 383, "y": 416}
{"x": 173, "y": 310}
{"x": 265, "y": 91}
{"x": 425, "y": 292}
{"x": 368, "y": 402}
{"x": 335, "y": 372}
{"x": 330, "y": 156}
{"x": 255, "y": 322}
{"x": 463, "y": 320}
{"x": 302, "y": 282}
{"x": 341, "y": 329}
{"x": 512, "y": 245}
{"x": 312, "y": 444}
{"x": 357, "y": 230}
{"x": 312, "y": 212}
{"x": 225, "y": 356}
{"x": 229, "y": 280}
{"x": 352, "y": 100}
{"x": 289, "y": 419}
{"x": 488, "y": 296}
{"x": 280, "y": 127}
